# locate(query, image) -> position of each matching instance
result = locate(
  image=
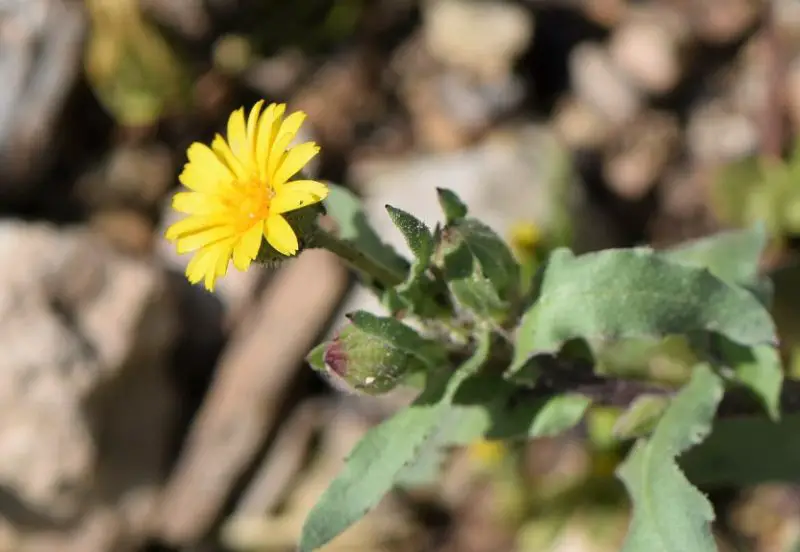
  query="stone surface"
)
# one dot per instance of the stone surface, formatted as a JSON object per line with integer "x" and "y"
{"x": 648, "y": 48}
{"x": 86, "y": 410}
{"x": 498, "y": 32}
{"x": 448, "y": 107}
{"x": 598, "y": 81}
{"x": 40, "y": 59}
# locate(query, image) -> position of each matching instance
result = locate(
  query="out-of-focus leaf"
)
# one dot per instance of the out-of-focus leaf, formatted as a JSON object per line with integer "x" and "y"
{"x": 641, "y": 417}
{"x": 133, "y": 70}
{"x": 669, "y": 514}
{"x": 743, "y": 451}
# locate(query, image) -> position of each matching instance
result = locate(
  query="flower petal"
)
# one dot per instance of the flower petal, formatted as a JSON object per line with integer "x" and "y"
{"x": 295, "y": 197}
{"x": 309, "y": 186}
{"x": 204, "y": 169}
{"x": 226, "y": 156}
{"x": 281, "y": 236}
{"x": 237, "y": 134}
{"x": 195, "y": 203}
{"x": 267, "y": 131}
{"x": 252, "y": 127}
{"x": 276, "y": 157}
{"x": 247, "y": 247}
{"x": 191, "y": 225}
{"x": 294, "y": 161}
{"x": 206, "y": 238}
{"x": 197, "y": 268}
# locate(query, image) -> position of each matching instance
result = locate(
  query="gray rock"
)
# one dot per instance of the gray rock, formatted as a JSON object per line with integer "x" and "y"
{"x": 484, "y": 37}
{"x": 40, "y": 59}
{"x": 598, "y": 81}
{"x": 86, "y": 409}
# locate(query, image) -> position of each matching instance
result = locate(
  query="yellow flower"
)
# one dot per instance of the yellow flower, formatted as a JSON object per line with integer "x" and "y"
{"x": 239, "y": 191}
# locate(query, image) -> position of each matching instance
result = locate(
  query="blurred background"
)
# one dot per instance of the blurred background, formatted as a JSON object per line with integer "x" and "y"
{"x": 140, "y": 414}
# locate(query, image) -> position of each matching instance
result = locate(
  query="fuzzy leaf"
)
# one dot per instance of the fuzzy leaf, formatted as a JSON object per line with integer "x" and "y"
{"x": 734, "y": 257}
{"x": 641, "y": 417}
{"x": 470, "y": 288}
{"x": 494, "y": 258}
{"x": 621, "y": 294}
{"x": 452, "y": 206}
{"x": 378, "y": 460}
{"x": 669, "y": 514}
{"x": 417, "y": 235}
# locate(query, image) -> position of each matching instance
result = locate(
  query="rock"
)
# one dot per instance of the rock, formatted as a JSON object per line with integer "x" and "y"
{"x": 40, "y": 60}
{"x": 341, "y": 98}
{"x": 716, "y": 133}
{"x": 599, "y": 82}
{"x": 86, "y": 408}
{"x": 723, "y": 21}
{"x": 579, "y": 125}
{"x": 126, "y": 230}
{"x": 449, "y": 108}
{"x": 188, "y": 17}
{"x": 649, "y": 48}
{"x": 637, "y": 157}
{"x": 136, "y": 176}
{"x": 498, "y": 32}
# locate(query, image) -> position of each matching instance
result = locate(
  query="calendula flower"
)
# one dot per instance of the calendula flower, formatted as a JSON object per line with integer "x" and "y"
{"x": 240, "y": 190}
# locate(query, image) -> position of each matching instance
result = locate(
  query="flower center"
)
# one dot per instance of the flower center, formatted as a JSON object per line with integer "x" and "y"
{"x": 254, "y": 202}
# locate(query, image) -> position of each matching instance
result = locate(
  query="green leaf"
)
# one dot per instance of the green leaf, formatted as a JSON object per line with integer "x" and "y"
{"x": 378, "y": 460}
{"x": 731, "y": 256}
{"x": 417, "y": 235}
{"x": 345, "y": 208}
{"x": 759, "y": 369}
{"x": 316, "y": 358}
{"x": 452, "y": 206}
{"x": 669, "y": 514}
{"x": 620, "y": 294}
{"x": 419, "y": 295}
{"x": 469, "y": 287}
{"x": 559, "y": 414}
{"x": 492, "y": 254}
{"x": 641, "y": 417}
{"x": 734, "y": 257}
{"x": 374, "y": 354}
{"x": 745, "y": 451}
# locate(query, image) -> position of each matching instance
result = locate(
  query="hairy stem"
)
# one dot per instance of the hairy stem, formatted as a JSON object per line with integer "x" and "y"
{"x": 387, "y": 276}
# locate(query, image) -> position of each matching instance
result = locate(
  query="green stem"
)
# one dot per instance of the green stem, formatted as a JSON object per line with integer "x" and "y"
{"x": 389, "y": 277}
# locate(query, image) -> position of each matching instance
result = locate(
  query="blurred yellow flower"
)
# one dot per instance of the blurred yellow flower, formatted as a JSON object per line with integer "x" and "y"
{"x": 488, "y": 453}
{"x": 524, "y": 236}
{"x": 239, "y": 191}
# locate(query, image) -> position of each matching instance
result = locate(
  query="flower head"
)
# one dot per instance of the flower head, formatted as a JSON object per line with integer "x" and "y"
{"x": 239, "y": 191}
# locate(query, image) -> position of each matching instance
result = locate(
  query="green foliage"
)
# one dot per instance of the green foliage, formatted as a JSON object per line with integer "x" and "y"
{"x": 504, "y": 359}
{"x": 373, "y": 354}
{"x": 669, "y": 514}
{"x": 760, "y": 190}
{"x": 452, "y": 207}
{"x": 378, "y": 460}
{"x": 632, "y": 294}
